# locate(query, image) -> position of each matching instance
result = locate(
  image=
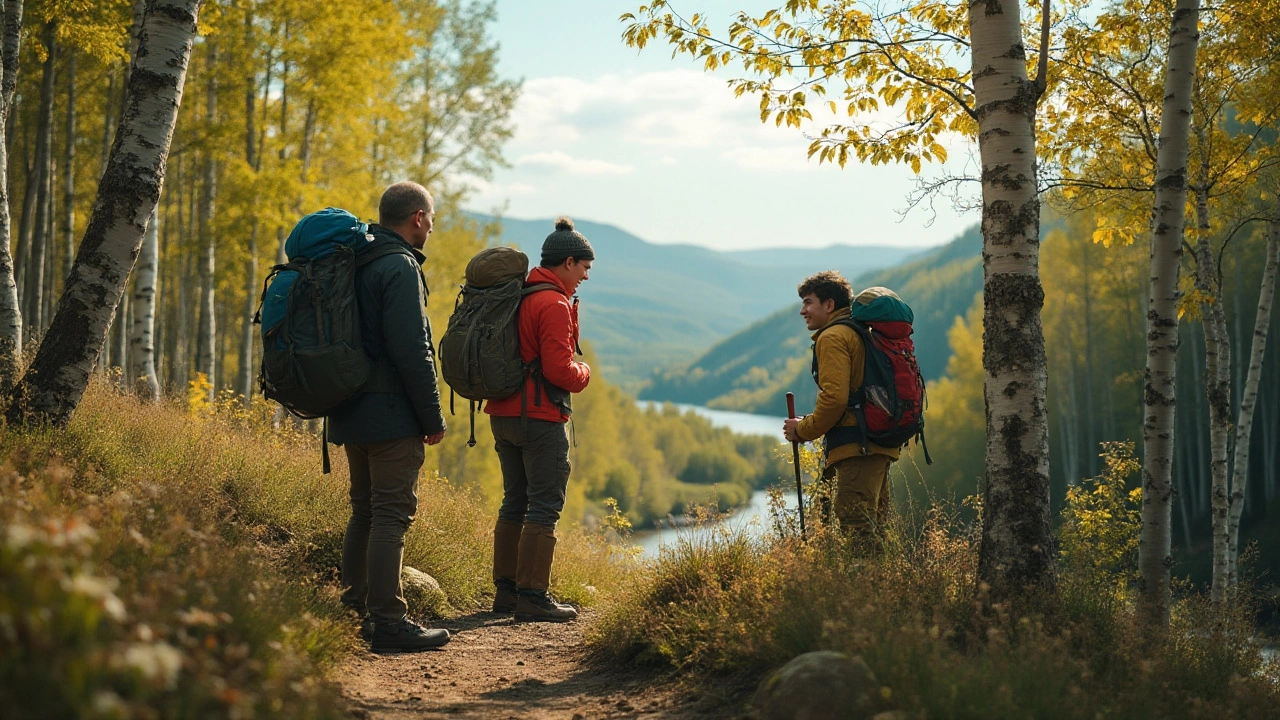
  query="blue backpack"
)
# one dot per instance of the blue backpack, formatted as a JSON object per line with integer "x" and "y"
{"x": 312, "y": 356}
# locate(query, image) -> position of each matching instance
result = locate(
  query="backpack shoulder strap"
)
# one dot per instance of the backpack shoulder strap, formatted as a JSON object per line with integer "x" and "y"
{"x": 383, "y": 249}
{"x": 537, "y": 287}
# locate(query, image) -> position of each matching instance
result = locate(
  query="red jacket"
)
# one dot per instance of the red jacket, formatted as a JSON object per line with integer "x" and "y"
{"x": 549, "y": 331}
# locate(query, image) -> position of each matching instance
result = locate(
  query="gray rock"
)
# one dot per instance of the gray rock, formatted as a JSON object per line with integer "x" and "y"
{"x": 819, "y": 686}
{"x": 422, "y": 593}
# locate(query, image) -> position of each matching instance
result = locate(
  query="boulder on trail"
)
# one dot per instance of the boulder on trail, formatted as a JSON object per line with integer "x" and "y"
{"x": 821, "y": 685}
{"x": 422, "y": 593}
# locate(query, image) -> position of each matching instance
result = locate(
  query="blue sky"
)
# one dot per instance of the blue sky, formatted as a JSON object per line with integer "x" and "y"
{"x": 661, "y": 148}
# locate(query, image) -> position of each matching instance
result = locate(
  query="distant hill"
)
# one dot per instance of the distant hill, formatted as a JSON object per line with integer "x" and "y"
{"x": 752, "y": 370}
{"x": 649, "y": 306}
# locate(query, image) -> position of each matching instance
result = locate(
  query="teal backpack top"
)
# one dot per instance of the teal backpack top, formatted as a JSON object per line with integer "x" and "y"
{"x": 313, "y": 359}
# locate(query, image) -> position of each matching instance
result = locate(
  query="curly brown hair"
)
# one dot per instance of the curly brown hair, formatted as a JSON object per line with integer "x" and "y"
{"x": 828, "y": 285}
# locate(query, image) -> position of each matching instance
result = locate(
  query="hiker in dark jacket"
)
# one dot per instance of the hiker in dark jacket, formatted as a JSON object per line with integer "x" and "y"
{"x": 384, "y": 428}
{"x": 861, "y": 482}
{"x": 529, "y": 431}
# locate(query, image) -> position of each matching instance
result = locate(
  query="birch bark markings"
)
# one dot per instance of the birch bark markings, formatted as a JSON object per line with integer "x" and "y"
{"x": 1249, "y": 396}
{"x": 127, "y": 195}
{"x": 10, "y": 312}
{"x": 1168, "y": 218}
{"x": 68, "y": 173}
{"x": 142, "y": 342}
{"x": 1017, "y": 543}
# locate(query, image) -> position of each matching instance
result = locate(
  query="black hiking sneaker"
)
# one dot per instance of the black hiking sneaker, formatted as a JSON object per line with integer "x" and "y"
{"x": 504, "y": 599}
{"x": 539, "y": 606}
{"x": 406, "y": 636}
{"x": 366, "y": 628}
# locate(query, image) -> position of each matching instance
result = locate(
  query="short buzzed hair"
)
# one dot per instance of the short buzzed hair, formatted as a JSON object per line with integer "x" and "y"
{"x": 400, "y": 201}
{"x": 828, "y": 285}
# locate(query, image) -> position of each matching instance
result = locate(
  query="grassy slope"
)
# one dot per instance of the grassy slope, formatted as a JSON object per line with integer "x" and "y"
{"x": 206, "y": 579}
{"x": 751, "y": 370}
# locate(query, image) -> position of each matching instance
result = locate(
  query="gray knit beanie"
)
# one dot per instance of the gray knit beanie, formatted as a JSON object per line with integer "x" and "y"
{"x": 565, "y": 243}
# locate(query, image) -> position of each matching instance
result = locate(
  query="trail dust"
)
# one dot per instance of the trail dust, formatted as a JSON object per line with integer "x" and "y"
{"x": 497, "y": 668}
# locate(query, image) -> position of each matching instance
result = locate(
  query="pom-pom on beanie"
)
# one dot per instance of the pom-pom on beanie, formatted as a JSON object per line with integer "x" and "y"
{"x": 565, "y": 243}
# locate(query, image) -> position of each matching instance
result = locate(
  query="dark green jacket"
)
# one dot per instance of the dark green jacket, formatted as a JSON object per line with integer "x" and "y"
{"x": 397, "y": 336}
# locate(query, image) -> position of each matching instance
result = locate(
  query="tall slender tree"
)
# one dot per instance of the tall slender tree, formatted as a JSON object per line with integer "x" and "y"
{"x": 10, "y": 311}
{"x": 206, "y": 329}
{"x": 142, "y": 341}
{"x": 1168, "y": 219}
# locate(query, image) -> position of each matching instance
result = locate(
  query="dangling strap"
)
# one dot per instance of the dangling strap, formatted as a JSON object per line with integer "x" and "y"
{"x": 471, "y": 441}
{"x": 573, "y": 435}
{"x": 451, "y": 412}
{"x": 927, "y": 460}
{"x": 324, "y": 444}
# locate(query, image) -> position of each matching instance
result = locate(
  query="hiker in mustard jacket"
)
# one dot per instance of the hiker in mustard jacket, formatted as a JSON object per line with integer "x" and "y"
{"x": 861, "y": 481}
{"x": 530, "y": 435}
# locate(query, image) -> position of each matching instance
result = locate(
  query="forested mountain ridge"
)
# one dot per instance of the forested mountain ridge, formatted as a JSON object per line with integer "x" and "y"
{"x": 649, "y": 306}
{"x": 751, "y": 370}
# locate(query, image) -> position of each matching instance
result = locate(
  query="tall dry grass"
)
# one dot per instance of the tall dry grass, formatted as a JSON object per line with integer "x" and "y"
{"x": 174, "y": 560}
{"x": 736, "y": 603}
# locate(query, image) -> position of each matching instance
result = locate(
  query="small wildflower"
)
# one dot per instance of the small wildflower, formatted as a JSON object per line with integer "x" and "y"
{"x": 158, "y": 661}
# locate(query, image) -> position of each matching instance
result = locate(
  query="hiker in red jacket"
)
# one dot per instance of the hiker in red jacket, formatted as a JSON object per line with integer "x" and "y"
{"x": 529, "y": 431}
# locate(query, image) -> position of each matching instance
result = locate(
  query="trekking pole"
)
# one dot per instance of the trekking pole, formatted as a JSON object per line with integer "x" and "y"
{"x": 795, "y": 457}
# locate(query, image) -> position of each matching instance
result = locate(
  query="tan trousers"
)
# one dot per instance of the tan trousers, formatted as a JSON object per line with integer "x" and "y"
{"x": 862, "y": 496}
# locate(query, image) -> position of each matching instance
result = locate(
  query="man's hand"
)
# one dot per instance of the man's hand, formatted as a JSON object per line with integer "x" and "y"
{"x": 789, "y": 429}
{"x": 433, "y": 439}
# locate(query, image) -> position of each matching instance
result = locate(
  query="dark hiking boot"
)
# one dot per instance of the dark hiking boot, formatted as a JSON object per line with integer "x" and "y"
{"x": 539, "y": 606}
{"x": 504, "y": 599}
{"x": 366, "y": 628}
{"x": 406, "y": 636}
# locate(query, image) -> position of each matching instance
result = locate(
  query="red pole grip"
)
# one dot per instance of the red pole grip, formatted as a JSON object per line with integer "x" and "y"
{"x": 791, "y": 405}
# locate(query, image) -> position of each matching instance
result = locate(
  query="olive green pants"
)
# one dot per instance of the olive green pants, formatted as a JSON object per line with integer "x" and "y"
{"x": 862, "y": 497}
{"x": 384, "y": 476}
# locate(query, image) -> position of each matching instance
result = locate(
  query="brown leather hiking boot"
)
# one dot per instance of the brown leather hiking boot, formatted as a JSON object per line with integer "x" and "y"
{"x": 505, "y": 596}
{"x": 539, "y": 606}
{"x": 506, "y": 556}
{"x": 533, "y": 577}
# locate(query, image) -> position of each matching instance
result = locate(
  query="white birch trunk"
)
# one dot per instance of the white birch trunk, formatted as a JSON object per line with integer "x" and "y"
{"x": 142, "y": 342}
{"x": 52, "y": 387}
{"x": 1217, "y": 384}
{"x": 10, "y": 311}
{"x": 1017, "y": 542}
{"x": 1168, "y": 217}
{"x": 1249, "y": 397}
{"x": 206, "y": 324}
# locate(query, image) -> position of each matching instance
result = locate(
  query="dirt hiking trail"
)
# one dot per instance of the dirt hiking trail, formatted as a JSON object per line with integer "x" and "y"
{"x": 497, "y": 668}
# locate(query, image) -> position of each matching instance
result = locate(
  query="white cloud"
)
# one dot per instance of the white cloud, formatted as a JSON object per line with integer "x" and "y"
{"x": 574, "y": 166}
{"x": 773, "y": 159}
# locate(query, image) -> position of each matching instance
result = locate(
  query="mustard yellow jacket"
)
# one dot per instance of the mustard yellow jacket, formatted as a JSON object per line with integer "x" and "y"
{"x": 840, "y": 364}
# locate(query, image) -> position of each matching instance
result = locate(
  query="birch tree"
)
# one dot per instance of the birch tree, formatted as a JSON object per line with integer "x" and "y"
{"x": 1168, "y": 217}
{"x": 904, "y": 59}
{"x": 142, "y": 340}
{"x": 206, "y": 329}
{"x": 54, "y": 383}
{"x": 10, "y": 311}
{"x": 1249, "y": 394}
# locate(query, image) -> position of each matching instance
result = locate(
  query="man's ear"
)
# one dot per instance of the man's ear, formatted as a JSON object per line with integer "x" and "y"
{"x": 829, "y": 306}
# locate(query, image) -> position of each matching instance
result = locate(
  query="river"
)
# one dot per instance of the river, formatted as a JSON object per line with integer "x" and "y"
{"x": 754, "y": 516}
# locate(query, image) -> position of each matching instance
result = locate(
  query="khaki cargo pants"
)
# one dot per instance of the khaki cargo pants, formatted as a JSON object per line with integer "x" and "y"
{"x": 862, "y": 496}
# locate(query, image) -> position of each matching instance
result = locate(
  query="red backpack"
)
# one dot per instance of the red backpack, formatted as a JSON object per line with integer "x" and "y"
{"x": 889, "y": 406}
